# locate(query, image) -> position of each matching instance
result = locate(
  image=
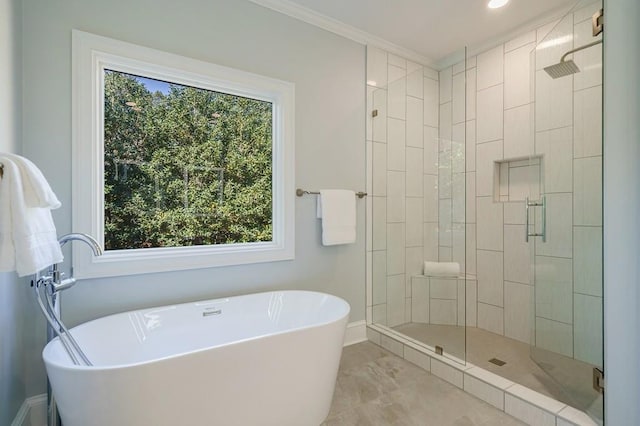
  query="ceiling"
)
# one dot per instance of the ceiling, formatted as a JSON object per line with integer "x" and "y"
{"x": 436, "y": 29}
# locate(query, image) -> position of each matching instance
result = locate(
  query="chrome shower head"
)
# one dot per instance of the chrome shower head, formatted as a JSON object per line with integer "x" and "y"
{"x": 562, "y": 68}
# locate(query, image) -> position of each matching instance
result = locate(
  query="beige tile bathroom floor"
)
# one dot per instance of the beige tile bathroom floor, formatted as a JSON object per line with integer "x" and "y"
{"x": 376, "y": 387}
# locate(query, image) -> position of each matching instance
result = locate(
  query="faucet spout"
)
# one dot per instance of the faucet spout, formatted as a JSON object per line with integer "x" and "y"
{"x": 57, "y": 283}
{"x": 87, "y": 239}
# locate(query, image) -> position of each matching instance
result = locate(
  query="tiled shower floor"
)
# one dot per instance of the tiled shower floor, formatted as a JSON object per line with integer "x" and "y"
{"x": 377, "y": 388}
{"x": 482, "y": 345}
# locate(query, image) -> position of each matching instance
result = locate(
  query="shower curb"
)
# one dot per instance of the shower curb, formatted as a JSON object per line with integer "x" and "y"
{"x": 515, "y": 400}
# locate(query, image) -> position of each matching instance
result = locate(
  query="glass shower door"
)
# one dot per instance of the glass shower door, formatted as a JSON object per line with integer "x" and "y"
{"x": 564, "y": 211}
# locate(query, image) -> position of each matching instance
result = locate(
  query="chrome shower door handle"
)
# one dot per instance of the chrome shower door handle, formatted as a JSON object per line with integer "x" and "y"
{"x": 542, "y": 203}
{"x": 526, "y": 223}
{"x": 544, "y": 219}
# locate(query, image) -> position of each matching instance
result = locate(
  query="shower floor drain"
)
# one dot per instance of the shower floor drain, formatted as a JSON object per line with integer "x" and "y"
{"x": 497, "y": 362}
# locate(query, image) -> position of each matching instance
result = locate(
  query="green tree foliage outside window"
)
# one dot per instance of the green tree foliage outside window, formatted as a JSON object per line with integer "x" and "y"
{"x": 184, "y": 166}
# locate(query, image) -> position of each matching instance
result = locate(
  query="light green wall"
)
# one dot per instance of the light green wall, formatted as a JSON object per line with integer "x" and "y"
{"x": 12, "y": 290}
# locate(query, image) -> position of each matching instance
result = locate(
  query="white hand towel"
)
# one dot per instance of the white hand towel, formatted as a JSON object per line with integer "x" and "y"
{"x": 37, "y": 192}
{"x": 28, "y": 239}
{"x": 442, "y": 269}
{"x": 338, "y": 208}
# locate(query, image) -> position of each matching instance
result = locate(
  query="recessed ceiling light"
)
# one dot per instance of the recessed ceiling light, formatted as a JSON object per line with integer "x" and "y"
{"x": 494, "y": 4}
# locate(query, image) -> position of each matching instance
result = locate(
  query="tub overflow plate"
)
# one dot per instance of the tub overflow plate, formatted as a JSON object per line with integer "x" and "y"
{"x": 211, "y": 311}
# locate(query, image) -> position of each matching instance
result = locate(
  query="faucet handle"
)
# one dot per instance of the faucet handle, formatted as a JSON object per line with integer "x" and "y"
{"x": 64, "y": 284}
{"x": 44, "y": 280}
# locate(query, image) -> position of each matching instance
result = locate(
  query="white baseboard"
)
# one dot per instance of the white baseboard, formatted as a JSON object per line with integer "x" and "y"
{"x": 32, "y": 412}
{"x": 356, "y": 332}
{"x": 22, "y": 418}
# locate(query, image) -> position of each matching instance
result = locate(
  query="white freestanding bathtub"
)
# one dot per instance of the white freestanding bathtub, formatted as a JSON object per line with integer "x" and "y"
{"x": 260, "y": 359}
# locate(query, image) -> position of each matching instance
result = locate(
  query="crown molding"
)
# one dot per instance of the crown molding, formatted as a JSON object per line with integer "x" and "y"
{"x": 335, "y": 26}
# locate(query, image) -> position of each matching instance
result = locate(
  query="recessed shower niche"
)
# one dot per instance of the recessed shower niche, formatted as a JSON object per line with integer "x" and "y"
{"x": 515, "y": 179}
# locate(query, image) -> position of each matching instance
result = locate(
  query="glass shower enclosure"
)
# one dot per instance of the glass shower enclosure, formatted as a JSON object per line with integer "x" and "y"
{"x": 493, "y": 162}
{"x": 416, "y": 132}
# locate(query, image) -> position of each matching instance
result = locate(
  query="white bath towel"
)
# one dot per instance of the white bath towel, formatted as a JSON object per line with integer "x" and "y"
{"x": 337, "y": 208}
{"x": 28, "y": 239}
{"x": 441, "y": 269}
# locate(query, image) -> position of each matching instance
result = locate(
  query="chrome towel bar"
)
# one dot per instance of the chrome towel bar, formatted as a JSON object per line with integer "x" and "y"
{"x": 301, "y": 192}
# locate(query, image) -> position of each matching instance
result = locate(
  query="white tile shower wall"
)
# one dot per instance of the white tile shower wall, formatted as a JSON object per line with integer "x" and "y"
{"x": 458, "y": 250}
{"x": 376, "y": 67}
{"x": 554, "y": 289}
{"x": 490, "y": 114}
{"x": 396, "y": 102}
{"x": 490, "y": 277}
{"x": 379, "y": 127}
{"x": 379, "y": 276}
{"x": 453, "y": 133}
{"x": 587, "y": 189}
{"x": 554, "y": 101}
{"x": 403, "y": 139}
{"x": 396, "y": 145}
{"x": 507, "y": 117}
{"x": 587, "y": 60}
{"x": 517, "y": 74}
{"x": 587, "y": 130}
{"x": 555, "y": 146}
{"x": 587, "y": 317}
{"x": 420, "y": 299}
{"x": 516, "y": 254}
{"x": 445, "y": 301}
{"x": 587, "y": 260}
{"x": 490, "y": 68}
{"x": 515, "y": 110}
{"x": 554, "y": 336}
{"x": 414, "y": 259}
{"x": 415, "y": 120}
{"x": 490, "y": 224}
{"x": 486, "y": 155}
{"x": 415, "y": 82}
{"x": 395, "y": 300}
{"x": 559, "y": 226}
{"x": 491, "y": 318}
{"x": 517, "y": 311}
{"x": 518, "y": 131}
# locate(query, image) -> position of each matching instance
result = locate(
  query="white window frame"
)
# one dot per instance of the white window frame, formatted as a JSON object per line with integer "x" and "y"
{"x": 91, "y": 55}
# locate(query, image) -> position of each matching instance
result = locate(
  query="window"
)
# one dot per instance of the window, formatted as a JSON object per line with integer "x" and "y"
{"x": 178, "y": 163}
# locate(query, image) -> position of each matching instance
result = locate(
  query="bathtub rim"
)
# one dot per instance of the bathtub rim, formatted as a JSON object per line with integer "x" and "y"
{"x": 344, "y": 314}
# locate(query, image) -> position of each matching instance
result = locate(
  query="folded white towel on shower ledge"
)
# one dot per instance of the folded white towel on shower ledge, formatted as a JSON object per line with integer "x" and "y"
{"x": 337, "y": 209}
{"x": 28, "y": 238}
{"x": 441, "y": 269}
